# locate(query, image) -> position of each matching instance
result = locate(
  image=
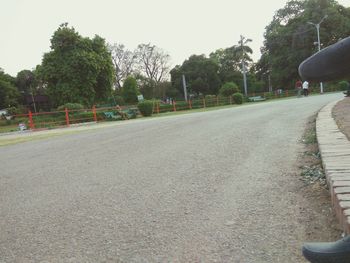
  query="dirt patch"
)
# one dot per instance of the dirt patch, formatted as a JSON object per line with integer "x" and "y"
{"x": 341, "y": 114}
{"x": 322, "y": 224}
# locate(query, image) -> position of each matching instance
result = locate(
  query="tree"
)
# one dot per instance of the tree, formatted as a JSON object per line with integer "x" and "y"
{"x": 229, "y": 62}
{"x": 289, "y": 39}
{"x": 25, "y": 81}
{"x": 77, "y": 69}
{"x": 201, "y": 75}
{"x": 130, "y": 90}
{"x": 153, "y": 63}
{"x": 124, "y": 62}
{"x": 9, "y": 95}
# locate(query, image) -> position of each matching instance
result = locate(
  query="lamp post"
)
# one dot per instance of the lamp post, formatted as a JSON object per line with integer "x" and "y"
{"x": 242, "y": 42}
{"x": 318, "y": 41}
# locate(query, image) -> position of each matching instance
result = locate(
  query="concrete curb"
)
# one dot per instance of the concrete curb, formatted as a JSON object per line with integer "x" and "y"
{"x": 335, "y": 153}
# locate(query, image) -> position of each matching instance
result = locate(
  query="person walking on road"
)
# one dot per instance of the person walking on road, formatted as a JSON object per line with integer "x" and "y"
{"x": 306, "y": 88}
{"x": 298, "y": 86}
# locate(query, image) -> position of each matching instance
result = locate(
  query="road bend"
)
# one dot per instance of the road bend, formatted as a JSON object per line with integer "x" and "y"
{"x": 215, "y": 186}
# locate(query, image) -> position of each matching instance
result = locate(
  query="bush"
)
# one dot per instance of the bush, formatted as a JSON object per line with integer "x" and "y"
{"x": 145, "y": 107}
{"x": 119, "y": 100}
{"x": 70, "y": 106}
{"x": 268, "y": 95}
{"x": 228, "y": 89}
{"x": 13, "y": 111}
{"x": 210, "y": 100}
{"x": 343, "y": 85}
{"x": 238, "y": 98}
{"x": 82, "y": 116}
{"x": 210, "y": 97}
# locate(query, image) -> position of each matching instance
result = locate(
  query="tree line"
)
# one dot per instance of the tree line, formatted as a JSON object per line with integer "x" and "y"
{"x": 88, "y": 71}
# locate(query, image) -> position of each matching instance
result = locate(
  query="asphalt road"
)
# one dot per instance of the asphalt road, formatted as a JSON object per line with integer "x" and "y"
{"x": 215, "y": 186}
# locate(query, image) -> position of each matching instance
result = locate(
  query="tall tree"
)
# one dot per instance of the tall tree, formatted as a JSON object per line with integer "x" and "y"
{"x": 77, "y": 69}
{"x": 130, "y": 90}
{"x": 124, "y": 62}
{"x": 229, "y": 61}
{"x": 289, "y": 38}
{"x": 9, "y": 95}
{"x": 25, "y": 81}
{"x": 201, "y": 75}
{"x": 153, "y": 63}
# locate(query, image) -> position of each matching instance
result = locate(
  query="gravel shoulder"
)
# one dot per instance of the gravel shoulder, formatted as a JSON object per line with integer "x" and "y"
{"x": 318, "y": 211}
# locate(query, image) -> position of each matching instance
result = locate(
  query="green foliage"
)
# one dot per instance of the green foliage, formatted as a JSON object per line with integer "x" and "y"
{"x": 81, "y": 116}
{"x": 77, "y": 69}
{"x": 237, "y": 98}
{"x": 201, "y": 75}
{"x": 343, "y": 85}
{"x": 228, "y": 89}
{"x": 166, "y": 107}
{"x": 13, "y": 111}
{"x": 119, "y": 100}
{"x": 9, "y": 95}
{"x": 289, "y": 38}
{"x": 210, "y": 97}
{"x": 210, "y": 100}
{"x": 70, "y": 106}
{"x": 25, "y": 81}
{"x": 172, "y": 93}
{"x": 229, "y": 61}
{"x": 146, "y": 86}
{"x": 145, "y": 107}
{"x": 269, "y": 95}
{"x": 130, "y": 90}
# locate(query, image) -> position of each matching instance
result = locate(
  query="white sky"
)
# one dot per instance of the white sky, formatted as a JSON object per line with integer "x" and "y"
{"x": 180, "y": 27}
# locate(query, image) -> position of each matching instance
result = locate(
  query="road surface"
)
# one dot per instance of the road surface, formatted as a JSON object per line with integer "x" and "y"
{"x": 215, "y": 186}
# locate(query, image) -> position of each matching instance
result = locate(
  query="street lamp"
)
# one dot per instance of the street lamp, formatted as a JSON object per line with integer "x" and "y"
{"x": 242, "y": 42}
{"x": 318, "y": 40}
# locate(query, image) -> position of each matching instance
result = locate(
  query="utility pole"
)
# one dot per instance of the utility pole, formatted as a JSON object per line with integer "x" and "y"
{"x": 242, "y": 42}
{"x": 33, "y": 101}
{"x": 270, "y": 87}
{"x": 318, "y": 41}
{"x": 184, "y": 86}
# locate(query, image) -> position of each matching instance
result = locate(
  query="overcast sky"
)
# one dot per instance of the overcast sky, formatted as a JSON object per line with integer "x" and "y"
{"x": 180, "y": 27}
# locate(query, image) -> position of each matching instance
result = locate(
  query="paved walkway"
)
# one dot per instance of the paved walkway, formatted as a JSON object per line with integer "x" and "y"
{"x": 335, "y": 152}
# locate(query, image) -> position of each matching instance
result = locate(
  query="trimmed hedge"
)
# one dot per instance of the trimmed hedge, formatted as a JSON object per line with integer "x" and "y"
{"x": 70, "y": 106}
{"x": 237, "y": 98}
{"x": 145, "y": 107}
{"x": 228, "y": 89}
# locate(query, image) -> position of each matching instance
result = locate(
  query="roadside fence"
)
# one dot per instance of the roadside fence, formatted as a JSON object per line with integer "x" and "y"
{"x": 66, "y": 118}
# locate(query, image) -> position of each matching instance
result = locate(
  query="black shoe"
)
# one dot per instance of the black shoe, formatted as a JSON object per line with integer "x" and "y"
{"x": 328, "y": 252}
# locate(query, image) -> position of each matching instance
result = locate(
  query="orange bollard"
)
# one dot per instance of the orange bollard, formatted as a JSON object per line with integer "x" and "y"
{"x": 31, "y": 122}
{"x": 94, "y": 113}
{"x": 67, "y": 117}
